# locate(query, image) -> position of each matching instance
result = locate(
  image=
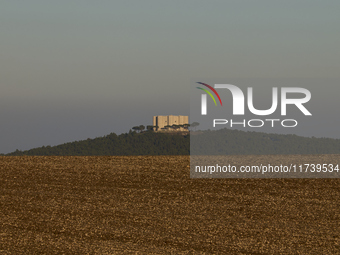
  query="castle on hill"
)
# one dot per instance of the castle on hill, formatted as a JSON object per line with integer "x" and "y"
{"x": 171, "y": 123}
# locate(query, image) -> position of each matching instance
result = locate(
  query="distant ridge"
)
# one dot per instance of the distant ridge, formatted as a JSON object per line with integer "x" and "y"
{"x": 237, "y": 142}
{"x": 151, "y": 143}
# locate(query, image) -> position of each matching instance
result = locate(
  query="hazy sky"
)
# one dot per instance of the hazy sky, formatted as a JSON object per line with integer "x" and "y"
{"x": 71, "y": 70}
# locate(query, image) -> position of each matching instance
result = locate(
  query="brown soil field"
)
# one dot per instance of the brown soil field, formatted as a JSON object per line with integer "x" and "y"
{"x": 149, "y": 205}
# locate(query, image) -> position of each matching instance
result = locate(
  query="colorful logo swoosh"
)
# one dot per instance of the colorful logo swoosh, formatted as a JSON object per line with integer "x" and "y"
{"x": 208, "y": 92}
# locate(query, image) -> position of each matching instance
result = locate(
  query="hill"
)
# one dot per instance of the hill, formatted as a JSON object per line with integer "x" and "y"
{"x": 230, "y": 142}
{"x": 132, "y": 143}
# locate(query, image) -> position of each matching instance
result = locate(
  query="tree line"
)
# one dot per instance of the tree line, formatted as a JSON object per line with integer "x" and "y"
{"x": 175, "y": 127}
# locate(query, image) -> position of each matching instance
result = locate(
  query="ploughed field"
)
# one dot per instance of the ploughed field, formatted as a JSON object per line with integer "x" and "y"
{"x": 149, "y": 205}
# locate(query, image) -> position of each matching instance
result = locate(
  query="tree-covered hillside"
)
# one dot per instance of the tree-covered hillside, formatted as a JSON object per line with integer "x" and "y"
{"x": 132, "y": 143}
{"x": 229, "y": 142}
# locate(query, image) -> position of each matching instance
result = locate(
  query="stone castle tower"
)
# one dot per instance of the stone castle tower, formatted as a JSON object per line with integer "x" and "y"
{"x": 163, "y": 121}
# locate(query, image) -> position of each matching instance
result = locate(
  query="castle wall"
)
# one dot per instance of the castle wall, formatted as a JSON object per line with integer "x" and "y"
{"x": 162, "y": 121}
